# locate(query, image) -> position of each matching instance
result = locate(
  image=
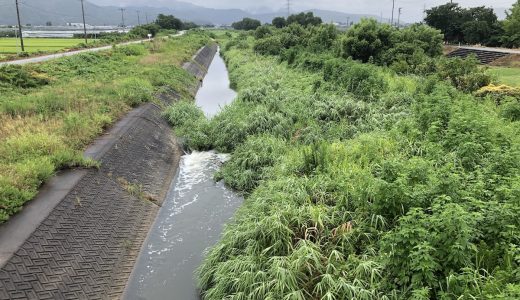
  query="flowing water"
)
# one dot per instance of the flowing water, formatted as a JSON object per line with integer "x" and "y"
{"x": 193, "y": 214}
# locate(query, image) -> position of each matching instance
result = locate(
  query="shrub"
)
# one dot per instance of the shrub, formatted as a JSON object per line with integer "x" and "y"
{"x": 252, "y": 162}
{"x": 464, "y": 74}
{"x": 131, "y": 50}
{"x": 15, "y": 76}
{"x": 498, "y": 92}
{"x": 135, "y": 91}
{"x": 362, "y": 80}
{"x": 268, "y": 46}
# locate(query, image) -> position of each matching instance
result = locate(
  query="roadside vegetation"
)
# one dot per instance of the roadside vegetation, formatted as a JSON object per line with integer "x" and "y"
{"x": 392, "y": 175}
{"x": 49, "y": 112}
{"x": 163, "y": 26}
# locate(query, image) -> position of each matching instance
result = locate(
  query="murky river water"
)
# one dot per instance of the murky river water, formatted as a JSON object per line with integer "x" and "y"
{"x": 193, "y": 214}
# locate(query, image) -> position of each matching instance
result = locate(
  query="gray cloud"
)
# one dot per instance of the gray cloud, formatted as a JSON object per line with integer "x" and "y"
{"x": 412, "y": 9}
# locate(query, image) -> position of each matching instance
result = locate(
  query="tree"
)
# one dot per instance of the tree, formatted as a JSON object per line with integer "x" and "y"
{"x": 144, "y": 30}
{"x": 476, "y": 25}
{"x": 247, "y": 24}
{"x": 512, "y": 27}
{"x": 304, "y": 19}
{"x": 449, "y": 18}
{"x": 169, "y": 22}
{"x": 279, "y": 22}
{"x": 366, "y": 40}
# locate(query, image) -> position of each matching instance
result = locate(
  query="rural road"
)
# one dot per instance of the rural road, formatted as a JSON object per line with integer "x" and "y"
{"x": 502, "y": 50}
{"x": 64, "y": 54}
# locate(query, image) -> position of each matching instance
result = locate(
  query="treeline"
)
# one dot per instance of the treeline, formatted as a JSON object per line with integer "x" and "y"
{"x": 163, "y": 22}
{"x": 476, "y": 25}
{"x": 303, "y": 19}
{"x": 416, "y": 49}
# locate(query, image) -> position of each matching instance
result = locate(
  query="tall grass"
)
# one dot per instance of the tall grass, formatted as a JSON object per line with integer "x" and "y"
{"x": 395, "y": 187}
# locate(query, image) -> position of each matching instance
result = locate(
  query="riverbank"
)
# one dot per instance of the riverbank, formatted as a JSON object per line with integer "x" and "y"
{"x": 87, "y": 245}
{"x": 195, "y": 210}
{"x": 360, "y": 181}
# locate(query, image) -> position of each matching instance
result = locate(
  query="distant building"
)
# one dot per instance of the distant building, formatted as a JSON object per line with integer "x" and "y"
{"x": 80, "y": 25}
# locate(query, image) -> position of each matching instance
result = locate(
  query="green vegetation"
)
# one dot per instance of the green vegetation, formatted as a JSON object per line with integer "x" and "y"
{"x": 362, "y": 182}
{"x": 509, "y": 76}
{"x": 12, "y": 45}
{"x": 247, "y": 24}
{"x": 49, "y": 112}
{"x": 476, "y": 25}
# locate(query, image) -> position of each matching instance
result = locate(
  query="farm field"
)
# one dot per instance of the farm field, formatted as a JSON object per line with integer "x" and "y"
{"x": 12, "y": 45}
{"x": 509, "y": 76}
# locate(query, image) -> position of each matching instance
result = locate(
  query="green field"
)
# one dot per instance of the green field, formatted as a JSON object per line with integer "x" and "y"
{"x": 12, "y": 45}
{"x": 509, "y": 76}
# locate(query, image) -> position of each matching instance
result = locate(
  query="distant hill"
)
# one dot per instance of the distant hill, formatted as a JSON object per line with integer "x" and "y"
{"x": 60, "y": 12}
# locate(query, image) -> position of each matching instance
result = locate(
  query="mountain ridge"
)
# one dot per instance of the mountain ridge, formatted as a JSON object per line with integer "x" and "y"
{"x": 60, "y": 12}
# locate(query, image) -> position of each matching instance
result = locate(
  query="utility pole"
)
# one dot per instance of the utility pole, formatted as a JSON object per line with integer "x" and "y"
{"x": 381, "y": 18}
{"x": 19, "y": 26}
{"x": 348, "y": 22}
{"x": 399, "y": 17}
{"x": 122, "y": 17}
{"x": 146, "y": 15}
{"x": 288, "y": 8}
{"x": 84, "y": 24}
{"x": 138, "y": 19}
{"x": 393, "y": 9}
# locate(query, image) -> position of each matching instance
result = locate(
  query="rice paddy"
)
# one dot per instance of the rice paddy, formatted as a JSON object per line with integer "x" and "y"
{"x": 32, "y": 45}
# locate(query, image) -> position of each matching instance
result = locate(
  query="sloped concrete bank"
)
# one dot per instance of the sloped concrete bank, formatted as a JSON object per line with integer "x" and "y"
{"x": 80, "y": 237}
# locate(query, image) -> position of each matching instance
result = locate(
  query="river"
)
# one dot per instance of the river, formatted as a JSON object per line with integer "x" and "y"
{"x": 193, "y": 214}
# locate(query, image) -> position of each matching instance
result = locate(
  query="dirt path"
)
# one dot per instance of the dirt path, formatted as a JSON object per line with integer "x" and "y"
{"x": 71, "y": 53}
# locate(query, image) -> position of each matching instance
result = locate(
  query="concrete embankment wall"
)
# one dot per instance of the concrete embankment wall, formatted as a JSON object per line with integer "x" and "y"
{"x": 82, "y": 234}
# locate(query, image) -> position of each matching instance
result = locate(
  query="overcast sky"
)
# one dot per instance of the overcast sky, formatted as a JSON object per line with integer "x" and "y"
{"x": 412, "y": 9}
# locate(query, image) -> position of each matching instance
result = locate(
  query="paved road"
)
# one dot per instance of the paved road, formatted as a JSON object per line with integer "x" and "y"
{"x": 501, "y": 50}
{"x": 58, "y": 55}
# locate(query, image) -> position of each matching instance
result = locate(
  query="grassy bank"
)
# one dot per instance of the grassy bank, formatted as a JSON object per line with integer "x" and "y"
{"x": 361, "y": 182}
{"x": 509, "y": 76}
{"x": 49, "y": 112}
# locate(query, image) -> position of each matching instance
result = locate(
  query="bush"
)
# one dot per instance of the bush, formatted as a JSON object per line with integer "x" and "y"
{"x": 131, "y": 50}
{"x": 14, "y": 76}
{"x": 464, "y": 74}
{"x": 135, "y": 91}
{"x": 263, "y": 31}
{"x": 362, "y": 80}
{"x": 252, "y": 162}
{"x": 268, "y": 46}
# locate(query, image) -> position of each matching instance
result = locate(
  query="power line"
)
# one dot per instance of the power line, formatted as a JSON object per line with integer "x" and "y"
{"x": 84, "y": 24}
{"x": 19, "y": 25}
